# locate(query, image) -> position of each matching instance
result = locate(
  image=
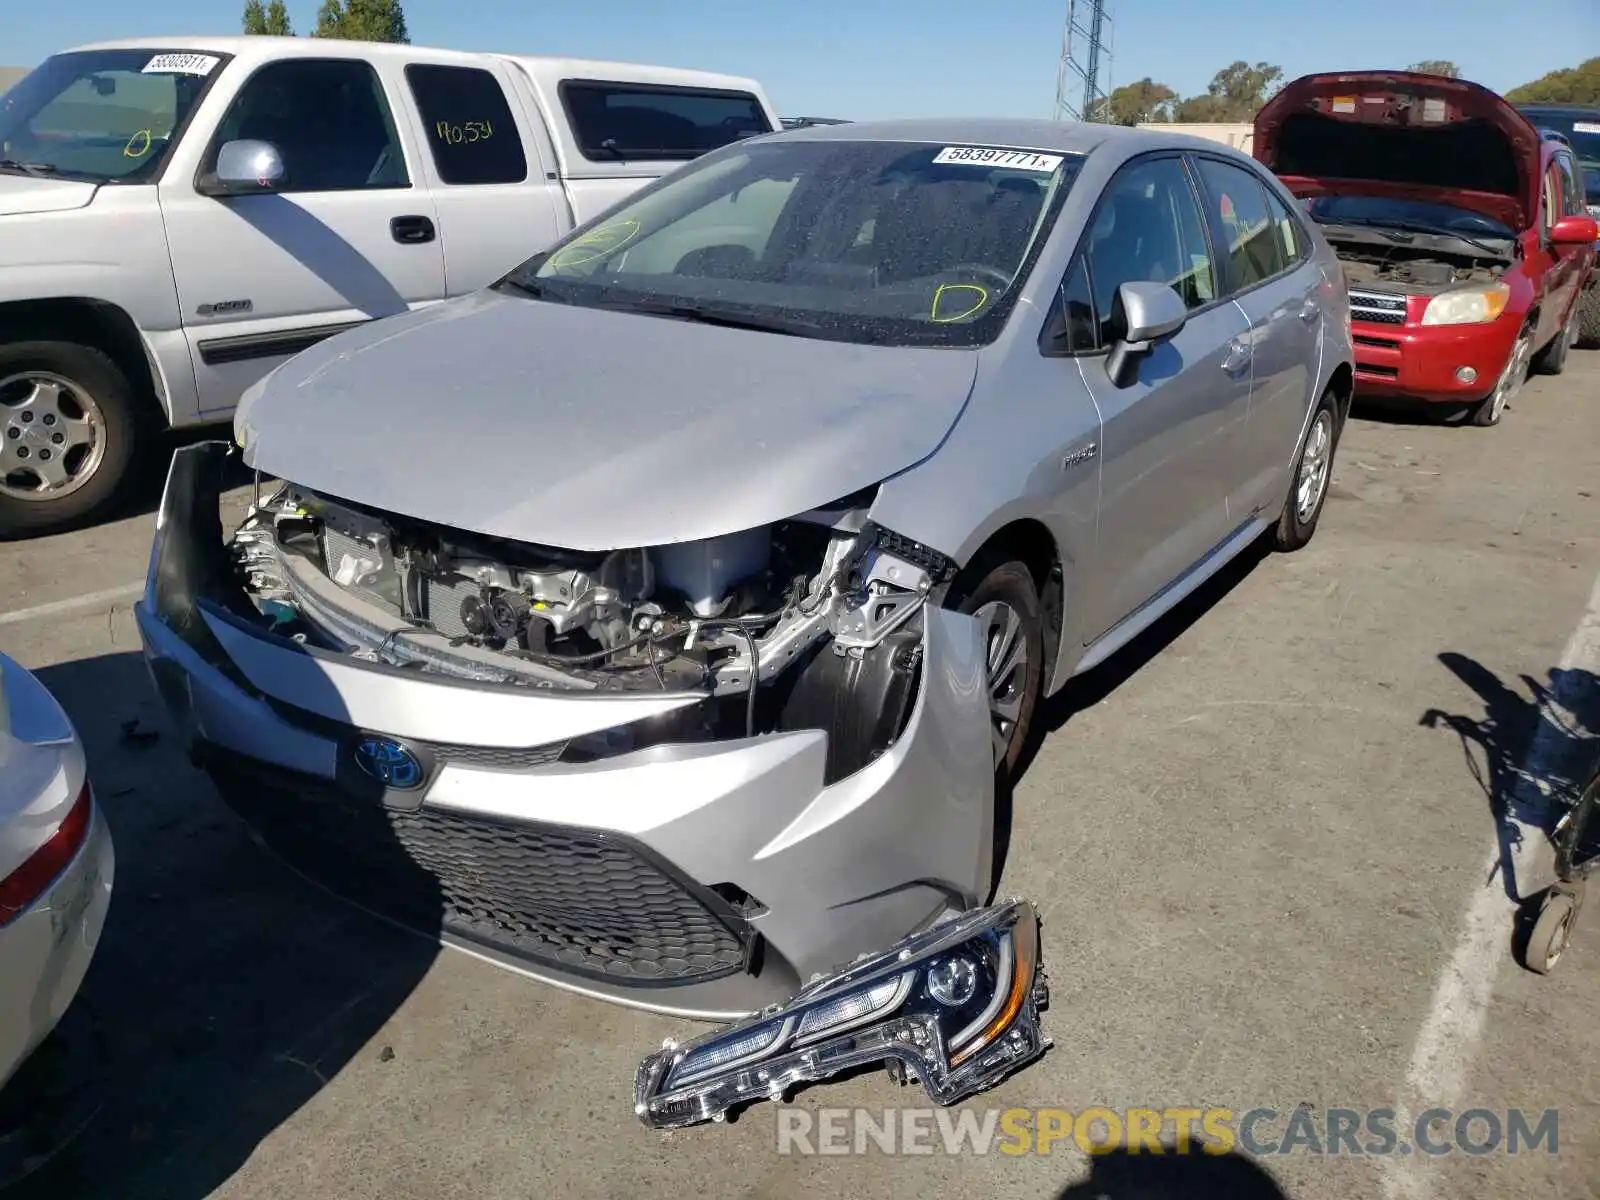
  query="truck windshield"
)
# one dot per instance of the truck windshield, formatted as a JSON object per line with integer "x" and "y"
{"x": 898, "y": 243}
{"x": 109, "y": 116}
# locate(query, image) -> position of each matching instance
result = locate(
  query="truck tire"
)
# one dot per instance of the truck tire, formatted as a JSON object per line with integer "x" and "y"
{"x": 1589, "y": 319}
{"x": 70, "y": 427}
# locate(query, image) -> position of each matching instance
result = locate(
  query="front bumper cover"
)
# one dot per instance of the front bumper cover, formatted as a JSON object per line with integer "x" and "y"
{"x": 955, "y": 1008}
{"x": 829, "y": 870}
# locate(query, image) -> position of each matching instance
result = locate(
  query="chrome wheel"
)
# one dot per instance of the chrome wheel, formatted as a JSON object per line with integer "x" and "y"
{"x": 1512, "y": 378}
{"x": 1007, "y": 647}
{"x": 52, "y": 436}
{"x": 1315, "y": 464}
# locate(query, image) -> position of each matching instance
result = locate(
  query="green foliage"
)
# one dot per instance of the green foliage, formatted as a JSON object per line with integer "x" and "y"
{"x": 1436, "y": 66}
{"x": 271, "y": 19}
{"x": 1234, "y": 94}
{"x": 1570, "y": 85}
{"x": 1133, "y": 103}
{"x": 363, "y": 21}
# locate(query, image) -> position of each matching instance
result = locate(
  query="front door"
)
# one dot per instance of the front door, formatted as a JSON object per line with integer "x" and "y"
{"x": 352, "y": 236}
{"x": 1166, "y": 453}
{"x": 1268, "y": 271}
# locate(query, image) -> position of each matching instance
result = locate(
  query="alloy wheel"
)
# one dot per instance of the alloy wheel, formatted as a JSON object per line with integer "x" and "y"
{"x": 52, "y": 436}
{"x": 1007, "y": 669}
{"x": 1315, "y": 465}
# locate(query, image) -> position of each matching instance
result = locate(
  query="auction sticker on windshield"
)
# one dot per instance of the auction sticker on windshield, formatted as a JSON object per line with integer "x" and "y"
{"x": 987, "y": 156}
{"x": 181, "y": 64}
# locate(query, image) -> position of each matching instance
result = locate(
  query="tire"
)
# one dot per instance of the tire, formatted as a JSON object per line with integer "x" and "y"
{"x": 1302, "y": 509}
{"x": 1552, "y": 360}
{"x": 1548, "y": 940}
{"x": 1589, "y": 318}
{"x": 997, "y": 587}
{"x": 1488, "y": 411}
{"x": 49, "y": 384}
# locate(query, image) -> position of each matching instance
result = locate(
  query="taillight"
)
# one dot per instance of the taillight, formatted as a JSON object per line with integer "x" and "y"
{"x": 27, "y": 883}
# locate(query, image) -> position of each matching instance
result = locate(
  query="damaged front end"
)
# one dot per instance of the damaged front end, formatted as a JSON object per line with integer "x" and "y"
{"x": 955, "y": 1008}
{"x": 683, "y": 777}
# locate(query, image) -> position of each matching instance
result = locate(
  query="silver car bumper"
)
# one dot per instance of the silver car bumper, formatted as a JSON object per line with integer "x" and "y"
{"x": 45, "y": 951}
{"x": 706, "y": 879}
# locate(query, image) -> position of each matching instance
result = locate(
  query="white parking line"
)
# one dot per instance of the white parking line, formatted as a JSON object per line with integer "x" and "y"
{"x": 58, "y": 608}
{"x": 1448, "y": 1040}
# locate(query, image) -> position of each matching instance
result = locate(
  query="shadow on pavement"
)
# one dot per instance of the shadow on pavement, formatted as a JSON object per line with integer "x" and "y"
{"x": 1534, "y": 747}
{"x": 1119, "y": 1175}
{"x": 229, "y": 990}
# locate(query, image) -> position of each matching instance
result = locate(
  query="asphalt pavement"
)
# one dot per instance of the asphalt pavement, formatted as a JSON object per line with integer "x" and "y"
{"x": 1268, "y": 842}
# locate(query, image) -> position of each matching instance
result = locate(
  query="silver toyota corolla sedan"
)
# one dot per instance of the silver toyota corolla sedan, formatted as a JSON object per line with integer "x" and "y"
{"x": 661, "y": 620}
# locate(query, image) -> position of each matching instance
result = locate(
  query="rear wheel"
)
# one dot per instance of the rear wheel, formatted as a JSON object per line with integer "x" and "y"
{"x": 69, "y": 427}
{"x": 1589, "y": 318}
{"x": 1490, "y": 409}
{"x": 1551, "y": 931}
{"x": 1313, "y": 469}
{"x": 1005, "y": 601}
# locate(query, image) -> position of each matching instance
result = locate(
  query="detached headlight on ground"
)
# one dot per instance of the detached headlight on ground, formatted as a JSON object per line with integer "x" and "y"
{"x": 955, "y": 1007}
{"x": 1467, "y": 306}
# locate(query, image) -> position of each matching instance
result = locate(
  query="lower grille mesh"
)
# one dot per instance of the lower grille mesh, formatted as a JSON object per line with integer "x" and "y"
{"x": 579, "y": 901}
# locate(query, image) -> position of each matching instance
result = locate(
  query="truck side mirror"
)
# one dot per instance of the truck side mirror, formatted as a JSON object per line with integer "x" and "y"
{"x": 245, "y": 167}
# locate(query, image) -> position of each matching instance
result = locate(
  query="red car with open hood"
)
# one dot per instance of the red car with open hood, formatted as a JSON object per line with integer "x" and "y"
{"x": 1464, "y": 236}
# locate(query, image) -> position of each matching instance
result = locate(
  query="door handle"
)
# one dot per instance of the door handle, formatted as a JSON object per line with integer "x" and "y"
{"x": 1237, "y": 358}
{"x": 411, "y": 230}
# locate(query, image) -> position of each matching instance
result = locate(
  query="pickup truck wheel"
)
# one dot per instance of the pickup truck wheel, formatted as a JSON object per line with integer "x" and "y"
{"x": 1313, "y": 468}
{"x": 68, "y": 428}
{"x": 1589, "y": 319}
{"x": 1005, "y": 601}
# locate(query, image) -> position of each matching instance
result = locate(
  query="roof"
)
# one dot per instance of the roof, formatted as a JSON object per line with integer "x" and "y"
{"x": 1067, "y": 137}
{"x": 258, "y": 46}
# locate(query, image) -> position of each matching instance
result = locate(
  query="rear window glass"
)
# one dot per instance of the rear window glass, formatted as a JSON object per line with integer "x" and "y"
{"x": 469, "y": 125}
{"x": 619, "y": 121}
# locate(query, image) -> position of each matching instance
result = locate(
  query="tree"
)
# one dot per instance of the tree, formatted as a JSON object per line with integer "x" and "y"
{"x": 1234, "y": 93}
{"x": 271, "y": 18}
{"x": 1570, "y": 85}
{"x": 363, "y": 21}
{"x": 1133, "y": 103}
{"x": 1436, "y": 66}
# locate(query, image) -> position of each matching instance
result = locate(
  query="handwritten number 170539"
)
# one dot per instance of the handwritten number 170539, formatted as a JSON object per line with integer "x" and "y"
{"x": 466, "y": 131}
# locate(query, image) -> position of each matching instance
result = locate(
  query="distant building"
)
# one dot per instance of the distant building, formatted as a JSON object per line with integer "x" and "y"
{"x": 9, "y": 75}
{"x": 1239, "y": 136}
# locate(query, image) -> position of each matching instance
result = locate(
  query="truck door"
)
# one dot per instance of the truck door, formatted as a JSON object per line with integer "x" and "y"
{"x": 491, "y": 172}
{"x": 351, "y": 236}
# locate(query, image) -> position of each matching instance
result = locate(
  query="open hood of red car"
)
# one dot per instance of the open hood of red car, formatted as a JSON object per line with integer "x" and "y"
{"x": 1401, "y": 134}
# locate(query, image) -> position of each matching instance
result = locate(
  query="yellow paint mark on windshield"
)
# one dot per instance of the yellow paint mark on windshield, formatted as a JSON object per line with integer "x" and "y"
{"x": 596, "y": 244}
{"x": 944, "y": 288}
{"x": 138, "y": 145}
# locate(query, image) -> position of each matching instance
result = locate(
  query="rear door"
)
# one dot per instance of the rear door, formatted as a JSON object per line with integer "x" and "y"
{"x": 1166, "y": 455}
{"x": 1267, "y": 269}
{"x": 490, "y": 166}
{"x": 350, "y": 237}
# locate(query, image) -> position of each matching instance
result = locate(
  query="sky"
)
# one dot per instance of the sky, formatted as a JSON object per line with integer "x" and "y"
{"x": 903, "y": 58}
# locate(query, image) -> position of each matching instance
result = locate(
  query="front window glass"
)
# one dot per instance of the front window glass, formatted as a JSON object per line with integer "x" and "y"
{"x": 1582, "y": 132}
{"x": 881, "y": 242}
{"x": 1404, "y": 214}
{"x": 104, "y": 115}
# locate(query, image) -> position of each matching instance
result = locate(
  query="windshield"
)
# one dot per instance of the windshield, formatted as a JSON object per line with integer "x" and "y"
{"x": 896, "y": 243}
{"x": 1404, "y": 214}
{"x": 1582, "y": 131}
{"x": 101, "y": 115}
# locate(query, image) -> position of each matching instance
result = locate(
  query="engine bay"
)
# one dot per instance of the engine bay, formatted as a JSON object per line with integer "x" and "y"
{"x": 1411, "y": 270}
{"x": 823, "y": 605}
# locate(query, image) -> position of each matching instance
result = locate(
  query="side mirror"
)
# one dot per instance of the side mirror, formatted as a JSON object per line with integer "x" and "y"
{"x": 244, "y": 168}
{"x": 1575, "y": 231}
{"x": 1148, "y": 311}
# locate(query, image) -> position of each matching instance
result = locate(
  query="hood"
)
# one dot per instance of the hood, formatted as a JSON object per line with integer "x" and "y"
{"x": 24, "y": 194}
{"x": 1402, "y": 134}
{"x": 591, "y": 429}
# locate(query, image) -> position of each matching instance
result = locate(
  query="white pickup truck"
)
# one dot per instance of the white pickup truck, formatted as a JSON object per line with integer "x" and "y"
{"x": 179, "y": 215}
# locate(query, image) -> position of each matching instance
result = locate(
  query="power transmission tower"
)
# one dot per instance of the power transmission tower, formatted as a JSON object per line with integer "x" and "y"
{"x": 1085, "y": 52}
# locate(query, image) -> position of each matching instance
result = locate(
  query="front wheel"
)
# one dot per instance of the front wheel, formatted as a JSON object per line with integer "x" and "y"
{"x": 1313, "y": 469}
{"x": 1005, "y": 601}
{"x": 1552, "y": 360}
{"x": 68, "y": 432}
{"x": 1551, "y": 931}
{"x": 1489, "y": 410}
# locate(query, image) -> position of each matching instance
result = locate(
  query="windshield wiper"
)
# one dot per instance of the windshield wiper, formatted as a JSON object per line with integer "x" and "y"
{"x": 1395, "y": 231}
{"x": 38, "y": 170}
{"x": 683, "y": 311}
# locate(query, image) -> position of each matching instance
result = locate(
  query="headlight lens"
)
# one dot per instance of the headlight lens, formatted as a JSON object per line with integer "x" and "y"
{"x": 955, "y": 1007}
{"x": 1467, "y": 306}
